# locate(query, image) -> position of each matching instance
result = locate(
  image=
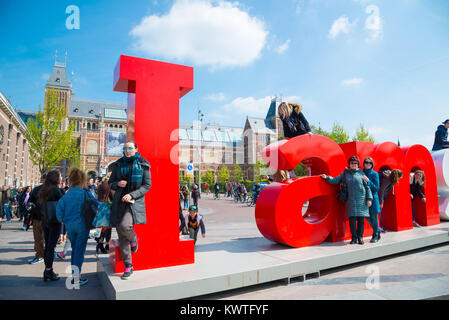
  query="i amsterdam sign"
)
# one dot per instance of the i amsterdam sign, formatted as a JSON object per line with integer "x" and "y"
{"x": 154, "y": 89}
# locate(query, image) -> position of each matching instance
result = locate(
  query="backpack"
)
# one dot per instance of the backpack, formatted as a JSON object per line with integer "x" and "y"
{"x": 90, "y": 210}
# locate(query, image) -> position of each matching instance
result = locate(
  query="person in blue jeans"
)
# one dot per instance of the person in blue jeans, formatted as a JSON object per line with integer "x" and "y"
{"x": 7, "y": 211}
{"x": 69, "y": 211}
{"x": 5, "y": 203}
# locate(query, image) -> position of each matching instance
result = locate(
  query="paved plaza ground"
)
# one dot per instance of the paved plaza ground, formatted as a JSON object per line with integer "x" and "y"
{"x": 425, "y": 270}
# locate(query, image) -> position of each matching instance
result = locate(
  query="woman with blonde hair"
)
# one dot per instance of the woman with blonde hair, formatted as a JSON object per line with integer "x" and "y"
{"x": 293, "y": 120}
{"x": 294, "y": 124}
{"x": 70, "y": 211}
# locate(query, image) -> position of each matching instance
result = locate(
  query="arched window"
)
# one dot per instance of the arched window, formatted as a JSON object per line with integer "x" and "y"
{"x": 88, "y": 126}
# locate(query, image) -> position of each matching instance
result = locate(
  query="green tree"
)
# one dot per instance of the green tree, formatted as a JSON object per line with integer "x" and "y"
{"x": 319, "y": 131}
{"x": 208, "y": 177}
{"x": 339, "y": 134}
{"x": 237, "y": 173}
{"x": 257, "y": 170}
{"x": 182, "y": 179}
{"x": 50, "y": 141}
{"x": 362, "y": 134}
{"x": 223, "y": 175}
{"x": 301, "y": 170}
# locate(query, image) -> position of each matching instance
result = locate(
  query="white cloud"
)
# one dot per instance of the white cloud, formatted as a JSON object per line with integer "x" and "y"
{"x": 341, "y": 25}
{"x": 217, "y": 97}
{"x": 352, "y": 82}
{"x": 249, "y": 106}
{"x": 253, "y": 107}
{"x": 217, "y": 34}
{"x": 373, "y": 24}
{"x": 283, "y": 47}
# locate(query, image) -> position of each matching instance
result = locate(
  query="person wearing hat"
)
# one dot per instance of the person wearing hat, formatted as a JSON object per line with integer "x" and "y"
{"x": 440, "y": 141}
{"x": 194, "y": 222}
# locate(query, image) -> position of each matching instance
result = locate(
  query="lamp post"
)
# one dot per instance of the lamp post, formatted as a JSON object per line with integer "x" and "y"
{"x": 200, "y": 122}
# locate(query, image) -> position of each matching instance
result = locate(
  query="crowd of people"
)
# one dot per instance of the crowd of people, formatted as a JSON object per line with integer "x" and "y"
{"x": 56, "y": 211}
{"x": 55, "y": 207}
{"x": 366, "y": 192}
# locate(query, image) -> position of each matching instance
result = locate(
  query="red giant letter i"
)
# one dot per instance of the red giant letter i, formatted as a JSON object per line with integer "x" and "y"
{"x": 154, "y": 89}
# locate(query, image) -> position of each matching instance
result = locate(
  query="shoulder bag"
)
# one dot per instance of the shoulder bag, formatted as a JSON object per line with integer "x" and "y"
{"x": 342, "y": 194}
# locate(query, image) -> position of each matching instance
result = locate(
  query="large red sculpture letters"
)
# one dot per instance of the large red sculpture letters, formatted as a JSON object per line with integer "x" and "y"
{"x": 154, "y": 89}
{"x": 278, "y": 209}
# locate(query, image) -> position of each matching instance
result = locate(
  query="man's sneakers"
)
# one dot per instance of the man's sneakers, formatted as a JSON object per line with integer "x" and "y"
{"x": 134, "y": 245}
{"x": 36, "y": 260}
{"x": 128, "y": 272}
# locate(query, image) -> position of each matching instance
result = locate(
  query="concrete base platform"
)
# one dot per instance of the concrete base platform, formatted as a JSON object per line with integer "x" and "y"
{"x": 242, "y": 262}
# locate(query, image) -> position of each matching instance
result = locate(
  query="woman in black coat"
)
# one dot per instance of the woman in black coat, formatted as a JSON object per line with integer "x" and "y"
{"x": 49, "y": 194}
{"x": 131, "y": 180}
{"x": 293, "y": 120}
{"x": 294, "y": 124}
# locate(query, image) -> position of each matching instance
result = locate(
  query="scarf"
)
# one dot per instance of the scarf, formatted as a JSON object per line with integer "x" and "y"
{"x": 135, "y": 176}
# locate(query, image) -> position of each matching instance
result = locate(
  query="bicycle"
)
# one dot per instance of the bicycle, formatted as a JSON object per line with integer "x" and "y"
{"x": 250, "y": 201}
{"x": 236, "y": 197}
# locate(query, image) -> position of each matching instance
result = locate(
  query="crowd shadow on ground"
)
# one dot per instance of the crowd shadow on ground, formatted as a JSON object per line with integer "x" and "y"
{"x": 15, "y": 287}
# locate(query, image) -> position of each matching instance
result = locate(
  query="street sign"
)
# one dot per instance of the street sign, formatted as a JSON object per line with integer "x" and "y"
{"x": 190, "y": 169}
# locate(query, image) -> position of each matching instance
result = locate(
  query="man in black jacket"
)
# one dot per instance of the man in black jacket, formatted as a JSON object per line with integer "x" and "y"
{"x": 440, "y": 141}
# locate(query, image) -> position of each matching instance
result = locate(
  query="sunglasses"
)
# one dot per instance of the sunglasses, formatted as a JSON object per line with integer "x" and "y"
{"x": 367, "y": 162}
{"x": 353, "y": 163}
{"x": 128, "y": 149}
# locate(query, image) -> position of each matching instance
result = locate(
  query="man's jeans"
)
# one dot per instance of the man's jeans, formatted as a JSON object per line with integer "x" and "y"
{"x": 7, "y": 212}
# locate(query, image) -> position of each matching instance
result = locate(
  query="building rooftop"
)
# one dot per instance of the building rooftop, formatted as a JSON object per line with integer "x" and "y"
{"x": 82, "y": 108}
{"x": 210, "y": 133}
{"x": 58, "y": 77}
{"x": 258, "y": 125}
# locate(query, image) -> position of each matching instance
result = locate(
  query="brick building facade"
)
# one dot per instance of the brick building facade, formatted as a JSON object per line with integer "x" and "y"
{"x": 16, "y": 167}
{"x": 100, "y": 128}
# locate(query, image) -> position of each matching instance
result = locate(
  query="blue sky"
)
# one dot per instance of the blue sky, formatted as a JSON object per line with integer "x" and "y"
{"x": 381, "y": 63}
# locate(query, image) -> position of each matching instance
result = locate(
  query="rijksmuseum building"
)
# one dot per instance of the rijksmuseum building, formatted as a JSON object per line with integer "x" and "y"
{"x": 100, "y": 128}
